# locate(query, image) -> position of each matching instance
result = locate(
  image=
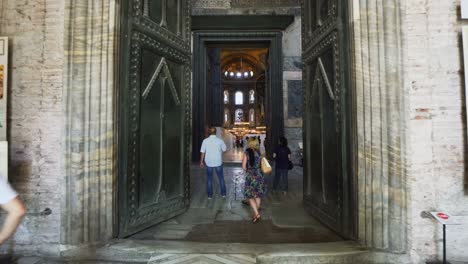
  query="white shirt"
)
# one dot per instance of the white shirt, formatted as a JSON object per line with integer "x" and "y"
{"x": 213, "y": 147}
{"x": 6, "y": 192}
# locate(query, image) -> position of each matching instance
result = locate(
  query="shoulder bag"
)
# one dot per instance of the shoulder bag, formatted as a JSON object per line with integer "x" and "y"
{"x": 266, "y": 167}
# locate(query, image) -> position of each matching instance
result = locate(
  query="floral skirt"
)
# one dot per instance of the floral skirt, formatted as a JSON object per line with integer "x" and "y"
{"x": 255, "y": 186}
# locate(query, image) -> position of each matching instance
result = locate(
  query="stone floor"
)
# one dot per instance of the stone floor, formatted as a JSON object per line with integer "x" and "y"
{"x": 219, "y": 231}
{"x": 173, "y": 252}
{"x": 233, "y": 155}
{"x": 284, "y": 219}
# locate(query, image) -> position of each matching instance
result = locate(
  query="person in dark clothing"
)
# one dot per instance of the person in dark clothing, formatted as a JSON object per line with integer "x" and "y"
{"x": 282, "y": 153}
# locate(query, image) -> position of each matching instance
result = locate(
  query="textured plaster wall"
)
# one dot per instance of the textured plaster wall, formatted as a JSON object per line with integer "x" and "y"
{"x": 292, "y": 63}
{"x": 434, "y": 81}
{"x": 35, "y": 29}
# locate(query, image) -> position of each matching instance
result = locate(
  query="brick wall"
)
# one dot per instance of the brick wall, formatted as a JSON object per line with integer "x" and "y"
{"x": 434, "y": 83}
{"x": 35, "y": 30}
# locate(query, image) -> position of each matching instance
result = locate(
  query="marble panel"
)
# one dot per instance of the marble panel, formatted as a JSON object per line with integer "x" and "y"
{"x": 295, "y": 99}
{"x": 292, "y": 116}
{"x": 89, "y": 92}
{"x": 292, "y": 64}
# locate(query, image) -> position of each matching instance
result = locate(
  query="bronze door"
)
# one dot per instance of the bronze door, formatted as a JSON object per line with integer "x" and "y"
{"x": 154, "y": 112}
{"x": 326, "y": 115}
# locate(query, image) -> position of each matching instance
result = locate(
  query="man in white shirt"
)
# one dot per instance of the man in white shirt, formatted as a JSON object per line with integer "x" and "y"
{"x": 212, "y": 155}
{"x": 12, "y": 204}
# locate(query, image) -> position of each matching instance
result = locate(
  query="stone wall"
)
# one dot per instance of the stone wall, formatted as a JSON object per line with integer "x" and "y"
{"x": 411, "y": 125}
{"x": 434, "y": 82}
{"x": 247, "y": 7}
{"x": 61, "y": 120}
{"x": 35, "y": 116}
{"x": 292, "y": 50}
{"x": 292, "y": 86}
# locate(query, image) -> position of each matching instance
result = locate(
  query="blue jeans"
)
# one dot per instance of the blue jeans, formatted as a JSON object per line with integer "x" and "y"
{"x": 280, "y": 183}
{"x": 209, "y": 182}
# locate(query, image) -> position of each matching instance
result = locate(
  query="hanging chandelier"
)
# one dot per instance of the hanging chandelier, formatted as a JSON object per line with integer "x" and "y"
{"x": 238, "y": 71}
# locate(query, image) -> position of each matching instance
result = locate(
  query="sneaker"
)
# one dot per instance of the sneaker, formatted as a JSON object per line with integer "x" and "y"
{"x": 209, "y": 198}
{"x": 224, "y": 196}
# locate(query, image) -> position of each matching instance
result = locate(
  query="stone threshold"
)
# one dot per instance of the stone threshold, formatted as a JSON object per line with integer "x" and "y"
{"x": 141, "y": 251}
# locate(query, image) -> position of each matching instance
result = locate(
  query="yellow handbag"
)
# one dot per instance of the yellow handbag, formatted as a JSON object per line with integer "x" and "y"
{"x": 266, "y": 167}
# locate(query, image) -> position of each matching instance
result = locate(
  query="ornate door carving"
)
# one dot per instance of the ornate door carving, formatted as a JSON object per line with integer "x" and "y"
{"x": 154, "y": 113}
{"x": 326, "y": 185}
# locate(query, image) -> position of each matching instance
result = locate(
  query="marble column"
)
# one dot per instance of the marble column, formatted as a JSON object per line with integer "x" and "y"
{"x": 380, "y": 118}
{"x": 91, "y": 41}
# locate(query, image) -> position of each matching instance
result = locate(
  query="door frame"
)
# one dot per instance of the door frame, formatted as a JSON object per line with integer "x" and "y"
{"x": 76, "y": 200}
{"x": 274, "y": 93}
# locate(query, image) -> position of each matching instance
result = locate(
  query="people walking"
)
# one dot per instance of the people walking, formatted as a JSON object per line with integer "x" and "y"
{"x": 255, "y": 187}
{"x": 282, "y": 154}
{"x": 15, "y": 208}
{"x": 212, "y": 150}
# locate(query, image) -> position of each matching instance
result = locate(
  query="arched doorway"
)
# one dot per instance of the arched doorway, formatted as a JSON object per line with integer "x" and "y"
{"x": 162, "y": 80}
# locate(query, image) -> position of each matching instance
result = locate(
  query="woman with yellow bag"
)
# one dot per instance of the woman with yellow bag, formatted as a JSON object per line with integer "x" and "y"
{"x": 255, "y": 186}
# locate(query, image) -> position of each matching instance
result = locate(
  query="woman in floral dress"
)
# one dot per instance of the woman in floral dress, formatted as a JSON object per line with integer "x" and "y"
{"x": 255, "y": 187}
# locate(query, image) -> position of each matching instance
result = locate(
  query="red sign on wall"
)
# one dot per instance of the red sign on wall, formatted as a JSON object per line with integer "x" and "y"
{"x": 445, "y": 218}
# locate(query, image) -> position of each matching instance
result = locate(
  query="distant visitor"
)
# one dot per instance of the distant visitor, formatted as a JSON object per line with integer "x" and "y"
{"x": 212, "y": 150}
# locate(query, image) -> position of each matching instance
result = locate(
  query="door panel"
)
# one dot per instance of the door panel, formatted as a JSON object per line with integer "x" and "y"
{"x": 154, "y": 11}
{"x": 164, "y": 13}
{"x": 325, "y": 126}
{"x": 154, "y": 113}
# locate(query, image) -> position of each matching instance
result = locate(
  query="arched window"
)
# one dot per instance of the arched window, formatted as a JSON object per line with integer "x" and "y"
{"x": 252, "y": 116}
{"x": 226, "y": 97}
{"x": 252, "y": 96}
{"x": 239, "y": 116}
{"x": 239, "y": 98}
{"x": 226, "y": 117}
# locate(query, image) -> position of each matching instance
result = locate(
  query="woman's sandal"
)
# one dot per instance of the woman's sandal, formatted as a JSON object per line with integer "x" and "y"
{"x": 256, "y": 218}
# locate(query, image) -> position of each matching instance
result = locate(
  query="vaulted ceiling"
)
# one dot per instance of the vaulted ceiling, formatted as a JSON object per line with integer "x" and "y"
{"x": 255, "y": 58}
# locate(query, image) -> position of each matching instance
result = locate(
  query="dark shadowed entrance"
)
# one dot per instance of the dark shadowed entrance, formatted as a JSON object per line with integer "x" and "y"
{"x": 206, "y": 112}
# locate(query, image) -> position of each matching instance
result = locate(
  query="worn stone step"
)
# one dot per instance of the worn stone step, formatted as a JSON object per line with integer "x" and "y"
{"x": 175, "y": 252}
{"x": 161, "y": 252}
